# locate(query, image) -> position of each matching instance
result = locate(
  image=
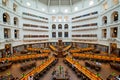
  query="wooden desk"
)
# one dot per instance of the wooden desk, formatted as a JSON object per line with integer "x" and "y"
{"x": 15, "y": 58}
{"x": 66, "y": 48}
{"x": 39, "y": 68}
{"x": 84, "y": 70}
{"x": 39, "y": 49}
{"x": 91, "y": 56}
{"x": 53, "y": 48}
{"x": 81, "y": 50}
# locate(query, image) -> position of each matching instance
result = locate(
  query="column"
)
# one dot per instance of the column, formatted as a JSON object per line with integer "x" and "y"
{"x": 12, "y": 33}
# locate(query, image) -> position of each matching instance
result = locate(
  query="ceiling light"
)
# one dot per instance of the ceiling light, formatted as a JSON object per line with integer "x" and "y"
{"x": 43, "y": 9}
{"x": 66, "y": 10}
{"x": 53, "y": 11}
{"x": 55, "y": 20}
{"x": 28, "y": 4}
{"x": 76, "y": 9}
{"x": 91, "y": 2}
{"x": 60, "y": 20}
{"x": 64, "y": 20}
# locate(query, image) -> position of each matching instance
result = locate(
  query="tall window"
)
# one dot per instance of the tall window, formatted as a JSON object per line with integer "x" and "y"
{"x": 53, "y": 34}
{"x": 14, "y": 7}
{"x": 114, "y": 16}
{"x": 114, "y": 32}
{"x": 115, "y": 2}
{"x": 66, "y": 26}
{"x": 59, "y": 34}
{"x": 53, "y": 18}
{"x": 4, "y": 2}
{"x": 104, "y": 20}
{"x": 105, "y": 6}
{"x": 60, "y": 26}
{"x": 6, "y": 18}
{"x": 104, "y": 33}
{"x": 6, "y": 33}
{"x": 15, "y": 21}
{"x": 66, "y": 34}
{"x": 16, "y": 33}
{"x": 53, "y": 26}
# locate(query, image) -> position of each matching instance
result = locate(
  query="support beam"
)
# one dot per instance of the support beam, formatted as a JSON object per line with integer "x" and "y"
{"x": 59, "y": 5}
{"x": 71, "y": 5}
{"x": 48, "y": 5}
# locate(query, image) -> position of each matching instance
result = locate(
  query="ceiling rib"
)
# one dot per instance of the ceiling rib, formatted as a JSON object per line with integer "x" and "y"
{"x": 48, "y": 5}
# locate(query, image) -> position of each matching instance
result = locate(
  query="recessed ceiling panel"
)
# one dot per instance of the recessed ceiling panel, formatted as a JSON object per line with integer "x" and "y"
{"x": 44, "y": 2}
{"x": 54, "y": 2}
{"x": 65, "y": 2}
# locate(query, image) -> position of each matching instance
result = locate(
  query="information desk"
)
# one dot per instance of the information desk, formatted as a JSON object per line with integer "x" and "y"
{"x": 91, "y": 56}
{"x": 39, "y": 68}
{"x": 15, "y": 58}
{"x": 82, "y": 69}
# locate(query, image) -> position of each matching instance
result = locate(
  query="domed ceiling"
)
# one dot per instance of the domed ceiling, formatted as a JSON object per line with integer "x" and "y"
{"x": 59, "y": 2}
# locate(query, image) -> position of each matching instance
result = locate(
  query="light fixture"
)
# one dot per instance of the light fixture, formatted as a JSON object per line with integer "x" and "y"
{"x": 53, "y": 11}
{"x": 55, "y": 20}
{"x": 4, "y": 16}
{"x": 115, "y": 30}
{"x": 66, "y": 10}
{"x": 60, "y": 20}
{"x": 28, "y": 4}
{"x": 76, "y": 8}
{"x": 91, "y": 2}
{"x": 116, "y": 15}
{"x": 43, "y": 9}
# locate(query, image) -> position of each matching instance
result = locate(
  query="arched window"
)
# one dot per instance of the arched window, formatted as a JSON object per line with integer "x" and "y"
{"x": 104, "y": 20}
{"x": 66, "y": 34}
{"x": 14, "y": 7}
{"x": 114, "y": 32}
{"x": 15, "y": 21}
{"x": 16, "y": 34}
{"x": 4, "y": 2}
{"x": 6, "y": 18}
{"x": 6, "y": 33}
{"x": 53, "y": 34}
{"x": 53, "y": 26}
{"x": 60, "y": 26}
{"x": 114, "y": 16}
{"x": 59, "y": 34}
{"x": 115, "y": 2}
{"x": 66, "y": 26}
